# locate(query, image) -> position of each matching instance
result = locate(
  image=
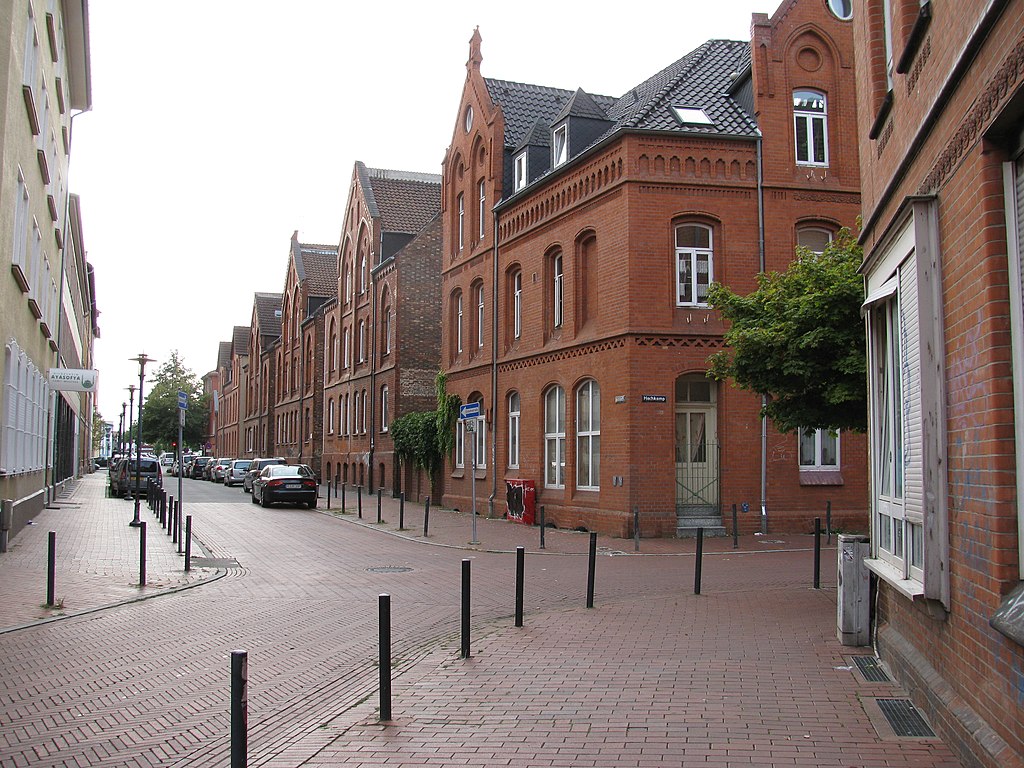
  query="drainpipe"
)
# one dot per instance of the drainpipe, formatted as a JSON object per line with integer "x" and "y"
{"x": 764, "y": 398}
{"x": 372, "y": 330}
{"x": 494, "y": 364}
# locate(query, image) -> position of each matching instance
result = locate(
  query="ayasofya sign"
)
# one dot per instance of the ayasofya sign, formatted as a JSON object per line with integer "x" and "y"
{"x": 72, "y": 379}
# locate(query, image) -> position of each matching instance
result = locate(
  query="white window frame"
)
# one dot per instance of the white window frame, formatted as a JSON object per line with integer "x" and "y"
{"x": 554, "y": 437}
{"x": 802, "y": 232}
{"x": 517, "y": 304}
{"x": 362, "y": 341}
{"x": 330, "y": 416}
{"x": 480, "y": 316}
{"x": 688, "y": 267}
{"x": 363, "y": 423}
{"x": 560, "y": 145}
{"x": 387, "y": 331}
{"x": 807, "y": 124}
{"x": 460, "y": 444}
{"x": 482, "y": 187}
{"x": 384, "y": 408}
{"x": 812, "y": 443}
{"x": 346, "y": 347}
{"x": 519, "y": 172}
{"x": 557, "y": 291}
{"x": 588, "y": 436}
{"x": 461, "y": 207}
{"x": 458, "y": 323}
{"x": 514, "y": 418}
{"x": 363, "y": 270}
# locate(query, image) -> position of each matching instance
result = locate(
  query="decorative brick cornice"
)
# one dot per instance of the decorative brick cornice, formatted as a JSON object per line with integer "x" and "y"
{"x": 998, "y": 90}
{"x": 681, "y": 342}
{"x": 560, "y": 355}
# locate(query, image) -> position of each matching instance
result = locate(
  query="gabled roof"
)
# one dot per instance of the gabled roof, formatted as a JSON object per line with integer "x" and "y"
{"x": 538, "y": 136}
{"x": 317, "y": 266}
{"x": 701, "y": 79}
{"x": 268, "y": 313}
{"x": 240, "y": 340}
{"x": 223, "y": 355}
{"x": 403, "y": 201}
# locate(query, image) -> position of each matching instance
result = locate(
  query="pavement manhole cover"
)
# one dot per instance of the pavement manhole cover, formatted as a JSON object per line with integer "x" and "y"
{"x": 389, "y": 569}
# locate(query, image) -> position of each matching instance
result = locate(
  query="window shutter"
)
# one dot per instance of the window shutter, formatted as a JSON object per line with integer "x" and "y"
{"x": 913, "y": 437}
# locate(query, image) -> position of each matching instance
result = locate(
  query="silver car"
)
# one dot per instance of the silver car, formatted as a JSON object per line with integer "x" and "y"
{"x": 235, "y": 473}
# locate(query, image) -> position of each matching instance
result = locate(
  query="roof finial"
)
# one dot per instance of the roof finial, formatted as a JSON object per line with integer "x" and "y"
{"x": 474, "y": 50}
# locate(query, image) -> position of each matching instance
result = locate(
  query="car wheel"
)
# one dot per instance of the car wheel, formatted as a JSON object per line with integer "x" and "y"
{"x": 311, "y": 504}
{"x": 253, "y": 498}
{"x": 263, "y": 501}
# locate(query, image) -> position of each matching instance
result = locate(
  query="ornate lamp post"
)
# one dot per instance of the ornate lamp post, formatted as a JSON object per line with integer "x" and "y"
{"x": 141, "y": 360}
{"x": 120, "y": 433}
{"x": 131, "y": 412}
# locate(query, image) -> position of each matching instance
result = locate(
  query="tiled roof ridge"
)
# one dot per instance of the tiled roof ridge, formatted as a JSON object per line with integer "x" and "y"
{"x": 696, "y": 56}
{"x": 319, "y": 247}
{"x": 394, "y": 175}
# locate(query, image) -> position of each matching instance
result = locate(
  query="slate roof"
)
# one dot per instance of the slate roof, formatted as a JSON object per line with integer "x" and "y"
{"x": 268, "y": 313}
{"x": 317, "y": 266}
{"x": 403, "y": 201}
{"x": 240, "y": 340}
{"x": 700, "y": 79}
{"x": 224, "y": 355}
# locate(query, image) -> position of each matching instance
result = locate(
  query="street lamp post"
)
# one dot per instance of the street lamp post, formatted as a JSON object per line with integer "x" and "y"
{"x": 131, "y": 415}
{"x": 141, "y": 360}
{"x": 120, "y": 434}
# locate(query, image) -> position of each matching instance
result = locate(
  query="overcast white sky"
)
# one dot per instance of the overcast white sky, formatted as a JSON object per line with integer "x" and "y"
{"x": 219, "y": 127}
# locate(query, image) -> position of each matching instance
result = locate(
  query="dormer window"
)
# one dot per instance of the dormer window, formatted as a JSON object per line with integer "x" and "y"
{"x": 691, "y": 115}
{"x": 519, "y": 172}
{"x": 560, "y": 145}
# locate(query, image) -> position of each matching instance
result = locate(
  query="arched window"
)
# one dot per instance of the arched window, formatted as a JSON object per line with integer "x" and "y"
{"x": 384, "y": 415}
{"x": 457, "y": 322}
{"x": 554, "y": 438}
{"x": 513, "y": 430}
{"x": 362, "y": 341}
{"x": 814, "y": 239}
{"x": 810, "y": 121}
{"x": 330, "y": 418}
{"x": 461, "y": 210}
{"x": 694, "y": 264}
{"x": 479, "y": 295}
{"x": 517, "y": 304}
{"x": 588, "y": 436}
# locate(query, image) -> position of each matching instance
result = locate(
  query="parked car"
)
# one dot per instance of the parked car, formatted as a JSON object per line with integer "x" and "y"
{"x": 257, "y": 466}
{"x": 220, "y": 468}
{"x": 198, "y": 465}
{"x": 166, "y": 460}
{"x": 235, "y": 473}
{"x": 127, "y": 477}
{"x": 285, "y": 482}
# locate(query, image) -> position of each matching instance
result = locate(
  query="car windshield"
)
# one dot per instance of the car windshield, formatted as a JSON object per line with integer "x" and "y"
{"x": 241, "y": 465}
{"x": 281, "y": 470}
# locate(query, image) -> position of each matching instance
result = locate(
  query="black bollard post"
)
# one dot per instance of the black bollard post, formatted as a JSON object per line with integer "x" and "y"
{"x": 542, "y": 526}
{"x": 520, "y": 574}
{"x": 359, "y": 500}
{"x": 465, "y": 608}
{"x": 699, "y": 563}
{"x": 636, "y": 529}
{"x": 170, "y": 527}
{"x": 401, "y": 511}
{"x": 335, "y": 488}
{"x": 828, "y": 521}
{"x": 239, "y": 708}
{"x": 177, "y": 525}
{"x": 51, "y": 567}
{"x": 328, "y": 494}
{"x": 384, "y": 654}
{"x": 735, "y": 529}
{"x": 379, "y": 494}
{"x": 188, "y": 542}
{"x": 342, "y": 494}
{"x": 426, "y": 517}
{"x": 591, "y": 570}
{"x": 817, "y": 553}
{"x": 142, "y": 553}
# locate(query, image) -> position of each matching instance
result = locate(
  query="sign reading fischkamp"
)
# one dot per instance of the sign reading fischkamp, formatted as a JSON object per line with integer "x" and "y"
{"x": 73, "y": 379}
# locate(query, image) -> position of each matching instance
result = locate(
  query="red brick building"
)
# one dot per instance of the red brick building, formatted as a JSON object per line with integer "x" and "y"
{"x": 310, "y": 282}
{"x": 232, "y": 392}
{"x": 261, "y": 376}
{"x": 580, "y": 234}
{"x": 382, "y": 334}
{"x": 940, "y": 90}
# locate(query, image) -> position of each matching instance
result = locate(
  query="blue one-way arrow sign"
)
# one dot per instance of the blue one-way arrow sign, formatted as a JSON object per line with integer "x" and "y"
{"x": 469, "y": 411}
{"x": 182, "y": 401}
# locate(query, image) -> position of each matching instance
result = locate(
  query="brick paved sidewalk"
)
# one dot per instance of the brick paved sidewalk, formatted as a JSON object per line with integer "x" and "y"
{"x": 97, "y": 558}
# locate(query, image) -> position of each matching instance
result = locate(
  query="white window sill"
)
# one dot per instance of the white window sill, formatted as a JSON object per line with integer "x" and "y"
{"x": 894, "y": 577}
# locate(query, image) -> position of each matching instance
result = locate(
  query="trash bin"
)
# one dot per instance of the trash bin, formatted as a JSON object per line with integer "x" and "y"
{"x": 521, "y": 501}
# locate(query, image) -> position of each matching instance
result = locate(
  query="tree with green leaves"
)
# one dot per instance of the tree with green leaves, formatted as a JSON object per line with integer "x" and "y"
{"x": 799, "y": 340}
{"x": 160, "y": 411}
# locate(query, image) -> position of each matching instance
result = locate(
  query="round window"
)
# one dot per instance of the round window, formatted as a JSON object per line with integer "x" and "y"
{"x": 843, "y": 9}
{"x": 469, "y": 117}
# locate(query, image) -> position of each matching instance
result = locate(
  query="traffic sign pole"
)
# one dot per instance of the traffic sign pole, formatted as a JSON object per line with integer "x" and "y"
{"x": 182, "y": 407}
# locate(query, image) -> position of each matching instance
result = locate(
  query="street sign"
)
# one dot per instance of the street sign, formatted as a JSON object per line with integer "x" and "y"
{"x": 181, "y": 417}
{"x": 469, "y": 411}
{"x": 182, "y": 401}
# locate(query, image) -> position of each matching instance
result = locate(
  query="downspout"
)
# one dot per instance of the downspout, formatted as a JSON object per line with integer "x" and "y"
{"x": 764, "y": 398}
{"x": 302, "y": 383}
{"x": 372, "y": 330}
{"x": 494, "y": 364}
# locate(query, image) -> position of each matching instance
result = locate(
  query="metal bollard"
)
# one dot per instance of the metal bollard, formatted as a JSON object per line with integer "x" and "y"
{"x": 384, "y": 654}
{"x": 342, "y": 494}
{"x": 817, "y": 553}
{"x": 591, "y": 570}
{"x": 828, "y": 521}
{"x": 379, "y": 494}
{"x": 328, "y": 495}
{"x": 359, "y": 500}
{"x": 542, "y": 526}
{"x": 175, "y": 525}
{"x": 239, "y": 708}
{"x": 6, "y": 522}
{"x": 51, "y": 567}
{"x": 520, "y": 575}
{"x": 401, "y": 511}
{"x": 142, "y": 553}
{"x": 188, "y": 543}
{"x": 465, "y": 608}
{"x": 426, "y": 517}
{"x": 699, "y": 562}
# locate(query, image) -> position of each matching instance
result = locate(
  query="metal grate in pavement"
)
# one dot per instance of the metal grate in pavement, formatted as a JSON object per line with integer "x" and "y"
{"x": 389, "y": 569}
{"x": 904, "y": 718}
{"x": 871, "y": 668}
